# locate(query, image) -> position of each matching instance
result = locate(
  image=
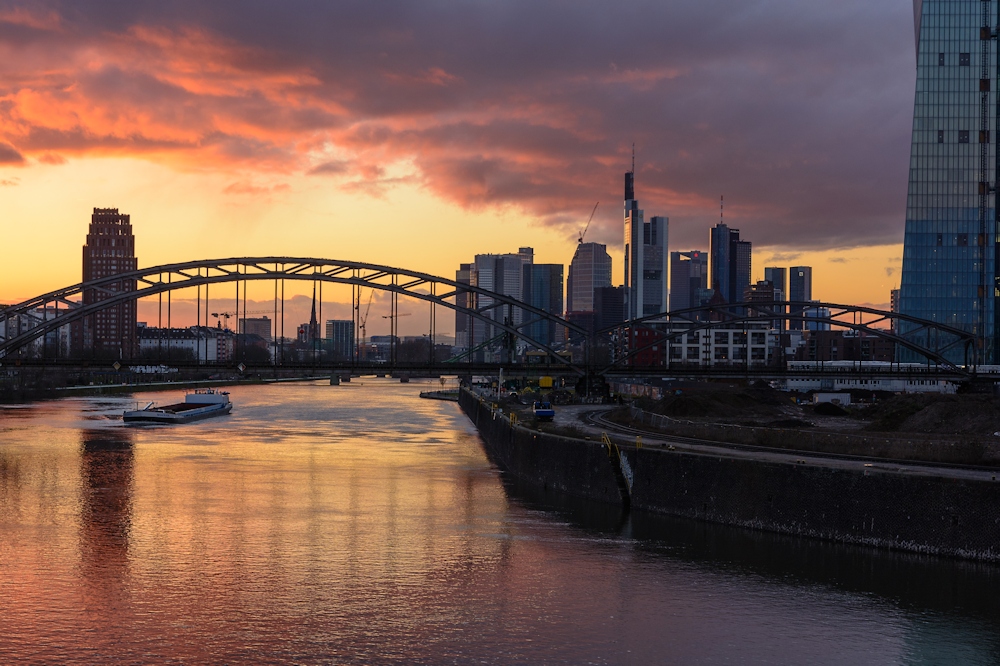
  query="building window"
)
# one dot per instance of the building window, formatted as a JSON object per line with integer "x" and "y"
{"x": 940, "y": 240}
{"x": 963, "y": 240}
{"x": 940, "y": 136}
{"x": 940, "y": 60}
{"x": 963, "y": 136}
{"x": 964, "y": 60}
{"x": 722, "y": 337}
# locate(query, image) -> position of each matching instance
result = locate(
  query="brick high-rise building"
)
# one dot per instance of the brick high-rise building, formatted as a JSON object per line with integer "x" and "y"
{"x": 109, "y": 251}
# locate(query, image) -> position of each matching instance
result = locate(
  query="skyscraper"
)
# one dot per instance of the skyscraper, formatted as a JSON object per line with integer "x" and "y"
{"x": 645, "y": 257}
{"x": 543, "y": 289}
{"x": 800, "y": 288}
{"x": 731, "y": 263}
{"x": 464, "y": 326}
{"x": 590, "y": 269}
{"x": 109, "y": 251}
{"x": 779, "y": 278}
{"x": 501, "y": 273}
{"x": 688, "y": 275}
{"x": 950, "y": 247}
{"x": 340, "y": 338}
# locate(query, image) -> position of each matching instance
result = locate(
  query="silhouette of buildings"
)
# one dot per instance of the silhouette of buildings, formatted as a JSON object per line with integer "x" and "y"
{"x": 646, "y": 257}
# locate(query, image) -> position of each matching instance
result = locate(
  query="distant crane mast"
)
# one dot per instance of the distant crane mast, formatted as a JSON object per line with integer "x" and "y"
{"x": 362, "y": 321}
{"x": 591, "y": 219}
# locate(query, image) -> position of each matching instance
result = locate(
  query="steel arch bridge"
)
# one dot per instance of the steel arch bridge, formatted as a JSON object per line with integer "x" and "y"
{"x": 940, "y": 339}
{"x": 59, "y": 309}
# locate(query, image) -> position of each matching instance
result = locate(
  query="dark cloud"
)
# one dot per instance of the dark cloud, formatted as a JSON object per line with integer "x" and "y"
{"x": 798, "y": 112}
{"x": 10, "y": 155}
{"x": 331, "y": 168}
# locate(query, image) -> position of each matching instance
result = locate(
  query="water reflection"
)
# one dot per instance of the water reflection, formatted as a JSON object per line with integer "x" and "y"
{"x": 107, "y": 461}
{"x": 364, "y": 525}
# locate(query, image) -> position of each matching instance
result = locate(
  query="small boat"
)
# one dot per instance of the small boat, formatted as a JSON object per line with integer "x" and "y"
{"x": 201, "y": 404}
{"x": 543, "y": 411}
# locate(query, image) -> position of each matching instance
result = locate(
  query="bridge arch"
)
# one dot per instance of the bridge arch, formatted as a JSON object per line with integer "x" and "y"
{"x": 707, "y": 317}
{"x": 171, "y": 277}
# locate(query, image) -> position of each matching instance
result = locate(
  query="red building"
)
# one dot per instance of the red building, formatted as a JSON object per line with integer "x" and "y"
{"x": 109, "y": 251}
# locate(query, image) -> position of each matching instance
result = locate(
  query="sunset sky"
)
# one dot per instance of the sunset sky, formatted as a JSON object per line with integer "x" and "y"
{"x": 419, "y": 134}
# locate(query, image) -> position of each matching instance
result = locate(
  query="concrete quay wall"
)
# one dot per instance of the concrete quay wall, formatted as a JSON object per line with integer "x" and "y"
{"x": 913, "y": 509}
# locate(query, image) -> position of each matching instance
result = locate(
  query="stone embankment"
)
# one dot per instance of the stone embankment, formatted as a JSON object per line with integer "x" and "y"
{"x": 926, "y": 508}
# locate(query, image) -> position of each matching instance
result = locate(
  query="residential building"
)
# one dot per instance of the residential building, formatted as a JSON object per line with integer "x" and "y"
{"x": 108, "y": 251}
{"x": 259, "y": 326}
{"x": 646, "y": 257}
{"x": 688, "y": 278}
{"x": 949, "y": 267}
{"x": 675, "y": 344}
{"x": 840, "y": 345}
{"x": 203, "y": 343}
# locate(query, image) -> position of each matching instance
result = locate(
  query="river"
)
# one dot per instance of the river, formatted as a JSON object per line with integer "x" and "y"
{"x": 361, "y": 524}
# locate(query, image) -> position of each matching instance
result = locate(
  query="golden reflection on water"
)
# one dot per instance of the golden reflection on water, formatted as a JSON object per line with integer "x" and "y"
{"x": 361, "y": 524}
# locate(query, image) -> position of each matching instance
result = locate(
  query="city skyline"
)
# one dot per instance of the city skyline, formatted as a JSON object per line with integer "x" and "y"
{"x": 298, "y": 172}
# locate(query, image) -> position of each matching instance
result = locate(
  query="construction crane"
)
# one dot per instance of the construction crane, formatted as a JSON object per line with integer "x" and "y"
{"x": 362, "y": 321}
{"x": 401, "y": 314}
{"x": 584, "y": 232}
{"x": 226, "y": 315}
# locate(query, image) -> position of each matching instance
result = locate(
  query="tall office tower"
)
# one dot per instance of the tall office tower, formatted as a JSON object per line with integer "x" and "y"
{"x": 731, "y": 263}
{"x": 646, "y": 257}
{"x": 109, "y": 251}
{"x": 779, "y": 278}
{"x": 464, "y": 325}
{"x": 949, "y": 247}
{"x": 800, "y": 288}
{"x": 543, "y": 289}
{"x": 741, "y": 253}
{"x": 340, "y": 337}
{"x": 688, "y": 276}
{"x": 501, "y": 273}
{"x": 609, "y": 307}
{"x": 719, "y": 248}
{"x": 590, "y": 269}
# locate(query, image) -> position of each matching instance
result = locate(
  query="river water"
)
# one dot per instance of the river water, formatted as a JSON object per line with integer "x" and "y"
{"x": 361, "y": 524}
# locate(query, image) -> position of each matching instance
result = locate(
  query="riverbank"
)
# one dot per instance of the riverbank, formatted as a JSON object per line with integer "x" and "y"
{"x": 925, "y": 508}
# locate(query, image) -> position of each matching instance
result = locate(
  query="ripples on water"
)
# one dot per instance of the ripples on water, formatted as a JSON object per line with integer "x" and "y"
{"x": 360, "y": 524}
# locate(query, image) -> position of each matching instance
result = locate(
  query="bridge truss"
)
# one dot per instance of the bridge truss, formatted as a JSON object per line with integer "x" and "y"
{"x": 937, "y": 343}
{"x": 34, "y": 318}
{"x": 48, "y": 312}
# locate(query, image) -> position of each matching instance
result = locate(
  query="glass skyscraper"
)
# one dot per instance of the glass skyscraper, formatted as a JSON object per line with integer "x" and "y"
{"x": 949, "y": 254}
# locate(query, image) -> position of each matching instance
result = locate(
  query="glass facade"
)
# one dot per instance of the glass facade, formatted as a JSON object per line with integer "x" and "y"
{"x": 949, "y": 267}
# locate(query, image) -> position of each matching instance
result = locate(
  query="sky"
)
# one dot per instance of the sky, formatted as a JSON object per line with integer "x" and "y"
{"x": 420, "y": 134}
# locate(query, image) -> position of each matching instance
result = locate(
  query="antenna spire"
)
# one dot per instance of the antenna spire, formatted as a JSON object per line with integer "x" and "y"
{"x": 633, "y": 157}
{"x": 721, "y": 206}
